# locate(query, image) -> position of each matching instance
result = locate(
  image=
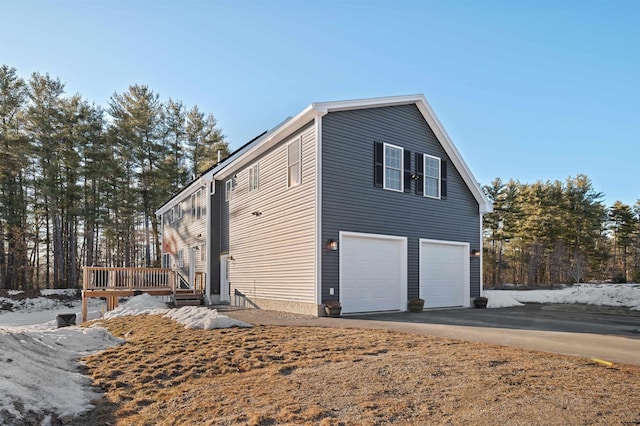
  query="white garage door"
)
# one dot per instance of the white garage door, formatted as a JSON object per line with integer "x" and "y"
{"x": 373, "y": 272}
{"x": 444, "y": 273}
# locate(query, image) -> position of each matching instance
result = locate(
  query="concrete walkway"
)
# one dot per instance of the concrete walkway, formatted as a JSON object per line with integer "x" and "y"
{"x": 614, "y": 348}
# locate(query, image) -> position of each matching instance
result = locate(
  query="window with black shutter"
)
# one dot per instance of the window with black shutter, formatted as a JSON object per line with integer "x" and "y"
{"x": 443, "y": 179}
{"x": 378, "y": 164}
{"x": 407, "y": 171}
{"x": 419, "y": 173}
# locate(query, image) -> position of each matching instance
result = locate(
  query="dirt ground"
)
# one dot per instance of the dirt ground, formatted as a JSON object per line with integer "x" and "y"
{"x": 167, "y": 375}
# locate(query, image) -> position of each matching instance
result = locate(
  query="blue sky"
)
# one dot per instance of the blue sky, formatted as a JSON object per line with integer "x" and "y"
{"x": 529, "y": 90}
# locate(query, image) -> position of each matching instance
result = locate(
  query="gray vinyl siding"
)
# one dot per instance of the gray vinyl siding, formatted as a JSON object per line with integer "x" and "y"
{"x": 218, "y": 222}
{"x": 224, "y": 218}
{"x": 350, "y": 202}
{"x": 274, "y": 252}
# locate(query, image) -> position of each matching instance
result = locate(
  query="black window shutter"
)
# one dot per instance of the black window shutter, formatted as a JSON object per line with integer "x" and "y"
{"x": 378, "y": 164}
{"x": 407, "y": 171}
{"x": 419, "y": 173}
{"x": 443, "y": 179}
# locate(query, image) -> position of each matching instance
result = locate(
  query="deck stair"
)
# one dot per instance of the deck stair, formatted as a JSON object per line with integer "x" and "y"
{"x": 184, "y": 297}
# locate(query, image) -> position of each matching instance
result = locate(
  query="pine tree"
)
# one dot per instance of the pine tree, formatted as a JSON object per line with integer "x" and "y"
{"x": 206, "y": 142}
{"x": 138, "y": 126}
{"x": 14, "y": 156}
{"x": 623, "y": 226}
{"x": 44, "y": 127}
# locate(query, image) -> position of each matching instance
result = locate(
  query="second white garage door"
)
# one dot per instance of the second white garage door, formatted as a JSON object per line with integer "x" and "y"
{"x": 444, "y": 273}
{"x": 373, "y": 272}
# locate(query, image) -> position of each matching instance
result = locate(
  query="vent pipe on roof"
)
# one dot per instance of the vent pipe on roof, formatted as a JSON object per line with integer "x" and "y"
{"x": 218, "y": 156}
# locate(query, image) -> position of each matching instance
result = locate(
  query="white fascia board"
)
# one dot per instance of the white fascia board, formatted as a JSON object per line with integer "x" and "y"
{"x": 321, "y": 108}
{"x": 203, "y": 180}
{"x": 453, "y": 153}
{"x": 366, "y": 103}
{"x": 317, "y": 109}
{"x": 304, "y": 117}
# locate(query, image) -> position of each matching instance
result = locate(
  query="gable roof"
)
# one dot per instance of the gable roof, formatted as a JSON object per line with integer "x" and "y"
{"x": 432, "y": 120}
{"x": 248, "y": 152}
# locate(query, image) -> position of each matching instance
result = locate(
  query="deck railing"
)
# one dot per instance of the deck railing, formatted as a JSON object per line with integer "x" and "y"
{"x": 113, "y": 283}
{"x": 111, "y": 278}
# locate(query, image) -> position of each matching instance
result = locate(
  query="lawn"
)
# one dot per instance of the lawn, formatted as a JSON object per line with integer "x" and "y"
{"x": 166, "y": 375}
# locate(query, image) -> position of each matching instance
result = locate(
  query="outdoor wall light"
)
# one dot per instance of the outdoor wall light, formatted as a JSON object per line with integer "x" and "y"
{"x": 332, "y": 245}
{"x": 475, "y": 253}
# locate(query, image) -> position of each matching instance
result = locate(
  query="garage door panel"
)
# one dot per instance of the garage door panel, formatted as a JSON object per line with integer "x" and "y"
{"x": 372, "y": 273}
{"x": 444, "y": 273}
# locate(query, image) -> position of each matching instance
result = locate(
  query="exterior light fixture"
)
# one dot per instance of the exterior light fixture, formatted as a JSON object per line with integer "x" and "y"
{"x": 332, "y": 245}
{"x": 475, "y": 253}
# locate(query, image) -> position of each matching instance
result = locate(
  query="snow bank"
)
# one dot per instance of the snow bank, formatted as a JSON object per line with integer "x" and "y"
{"x": 624, "y": 295}
{"x": 39, "y": 363}
{"x": 208, "y": 319}
{"x": 40, "y": 369}
{"x": 42, "y": 311}
{"x": 189, "y": 316}
{"x": 143, "y": 304}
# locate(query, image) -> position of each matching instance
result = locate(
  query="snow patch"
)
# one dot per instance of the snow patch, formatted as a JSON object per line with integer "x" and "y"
{"x": 143, "y": 304}
{"x": 623, "y": 295}
{"x": 199, "y": 317}
{"x": 40, "y": 369}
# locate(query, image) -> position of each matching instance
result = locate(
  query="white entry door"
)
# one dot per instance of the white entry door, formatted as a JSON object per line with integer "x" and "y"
{"x": 444, "y": 273}
{"x": 224, "y": 278}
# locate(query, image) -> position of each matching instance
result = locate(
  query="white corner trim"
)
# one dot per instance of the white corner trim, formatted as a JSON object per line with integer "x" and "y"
{"x": 318, "y": 210}
{"x": 481, "y": 258}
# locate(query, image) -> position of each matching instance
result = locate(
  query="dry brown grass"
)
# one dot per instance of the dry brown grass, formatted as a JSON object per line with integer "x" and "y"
{"x": 168, "y": 375}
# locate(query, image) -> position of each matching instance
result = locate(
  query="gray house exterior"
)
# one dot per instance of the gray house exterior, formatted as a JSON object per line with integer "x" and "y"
{"x": 367, "y": 202}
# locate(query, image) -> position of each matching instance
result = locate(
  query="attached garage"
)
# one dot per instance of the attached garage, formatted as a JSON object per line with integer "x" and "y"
{"x": 373, "y": 272}
{"x": 444, "y": 273}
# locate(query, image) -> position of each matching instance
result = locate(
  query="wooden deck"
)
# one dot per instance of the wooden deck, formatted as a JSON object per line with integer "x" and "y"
{"x": 113, "y": 283}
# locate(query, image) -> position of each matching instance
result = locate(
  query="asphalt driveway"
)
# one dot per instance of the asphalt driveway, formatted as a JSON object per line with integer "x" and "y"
{"x": 545, "y": 317}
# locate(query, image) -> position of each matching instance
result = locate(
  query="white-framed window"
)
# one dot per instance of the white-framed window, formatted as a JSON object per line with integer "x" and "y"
{"x": 393, "y": 167}
{"x": 294, "y": 162}
{"x": 228, "y": 188}
{"x": 254, "y": 178}
{"x": 179, "y": 210}
{"x": 203, "y": 201}
{"x": 166, "y": 259}
{"x": 432, "y": 181}
{"x": 180, "y": 258}
{"x": 172, "y": 215}
{"x": 195, "y": 205}
{"x": 203, "y": 252}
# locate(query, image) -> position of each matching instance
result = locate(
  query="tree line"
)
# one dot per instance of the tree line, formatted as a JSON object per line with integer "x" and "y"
{"x": 79, "y": 183}
{"x": 558, "y": 232}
